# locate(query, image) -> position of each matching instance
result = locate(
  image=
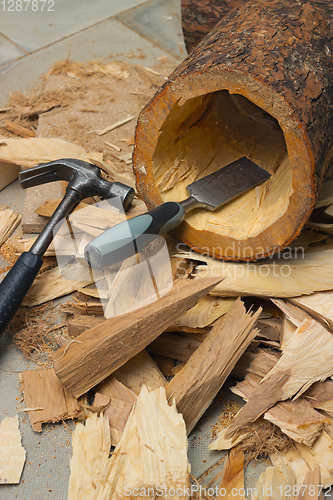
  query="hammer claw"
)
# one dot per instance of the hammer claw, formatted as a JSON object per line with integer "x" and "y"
{"x": 27, "y": 180}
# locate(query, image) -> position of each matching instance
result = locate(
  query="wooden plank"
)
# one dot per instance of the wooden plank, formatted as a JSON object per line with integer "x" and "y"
{"x": 34, "y": 197}
{"x": 8, "y": 173}
{"x": 12, "y": 453}
{"x": 42, "y": 389}
{"x": 300, "y": 365}
{"x": 196, "y": 385}
{"x": 118, "y": 339}
{"x": 148, "y": 454}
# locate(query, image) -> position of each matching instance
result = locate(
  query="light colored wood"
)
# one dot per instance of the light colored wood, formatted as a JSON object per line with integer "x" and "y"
{"x": 116, "y": 340}
{"x": 196, "y": 385}
{"x": 312, "y": 482}
{"x": 84, "y": 308}
{"x": 9, "y": 220}
{"x": 30, "y": 152}
{"x": 223, "y": 443}
{"x": 117, "y": 124}
{"x": 148, "y": 454}
{"x": 275, "y": 482}
{"x": 35, "y": 196}
{"x": 17, "y": 129}
{"x": 117, "y": 412}
{"x": 112, "y": 388}
{"x": 43, "y": 389}
{"x": 294, "y": 460}
{"x": 321, "y": 453}
{"x": 51, "y": 284}
{"x": 8, "y": 173}
{"x": 295, "y": 314}
{"x": 288, "y": 331}
{"x": 232, "y": 483}
{"x": 138, "y": 371}
{"x": 319, "y": 305}
{"x": 303, "y": 362}
{"x": 270, "y": 328}
{"x": 279, "y": 277}
{"x": 205, "y": 312}
{"x": 49, "y": 206}
{"x": 12, "y": 453}
{"x": 297, "y": 419}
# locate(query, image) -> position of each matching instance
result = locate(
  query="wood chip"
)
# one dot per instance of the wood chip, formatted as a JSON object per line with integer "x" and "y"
{"x": 113, "y": 146}
{"x": 117, "y": 124}
{"x": 43, "y": 389}
{"x": 12, "y": 453}
{"x": 17, "y": 129}
{"x": 9, "y": 220}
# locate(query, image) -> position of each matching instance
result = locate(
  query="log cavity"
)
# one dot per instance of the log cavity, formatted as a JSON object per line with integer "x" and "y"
{"x": 201, "y": 135}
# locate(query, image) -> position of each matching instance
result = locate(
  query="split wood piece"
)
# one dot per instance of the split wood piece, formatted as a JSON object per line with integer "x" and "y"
{"x": 151, "y": 452}
{"x": 319, "y": 305}
{"x": 297, "y": 419}
{"x": 51, "y": 284}
{"x": 100, "y": 351}
{"x": 80, "y": 324}
{"x": 232, "y": 483}
{"x": 84, "y": 308}
{"x": 240, "y": 369}
{"x": 320, "y": 454}
{"x": 276, "y": 278}
{"x": 12, "y": 453}
{"x": 43, "y": 389}
{"x": 9, "y": 220}
{"x": 31, "y": 152}
{"x": 320, "y": 396}
{"x": 294, "y": 460}
{"x": 17, "y": 129}
{"x": 141, "y": 280}
{"x": 312, "y": 486}
{"x": 205, "y": 312}
{"x": 8, "y": 173}
{"x": 138, "y": 371}
{"x": 294, "y": 313}
{"x": 223, "y": 443}
{"x": 180, "y": 267}
{"x": 244, "y": 106}
{"x": 117, "y": 412}
{"x": 288, "y": 331}
{"x": 275, "y": 482}
{"x": 262, "y": 362}
{"x": 195, "y": 333}
{"x": 270, "y": 329}
{"x": 174, "y": 346}
{"x": 302, "y": 363}
{"x": 112, "y": 388}
{"x": 196, "y": 385}
{"x": 24, "y": 245}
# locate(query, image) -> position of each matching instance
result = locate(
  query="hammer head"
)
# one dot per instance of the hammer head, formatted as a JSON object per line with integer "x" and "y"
{"x": 82, "y": 177}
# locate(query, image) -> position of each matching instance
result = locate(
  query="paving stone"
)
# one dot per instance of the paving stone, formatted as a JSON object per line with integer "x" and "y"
{"x": 8, "y": 51}
{"x": 109, "y": 38}
{"x": 52, "y": 20}
{"x": 160, "y": 21}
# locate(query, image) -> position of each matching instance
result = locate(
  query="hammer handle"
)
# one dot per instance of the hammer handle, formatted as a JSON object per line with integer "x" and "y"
{"x": 16, "y": 284}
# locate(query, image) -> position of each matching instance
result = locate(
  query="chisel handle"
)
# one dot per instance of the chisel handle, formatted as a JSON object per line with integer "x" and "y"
{"x": 129, "y": 237}
{"x": 16, "y": 284}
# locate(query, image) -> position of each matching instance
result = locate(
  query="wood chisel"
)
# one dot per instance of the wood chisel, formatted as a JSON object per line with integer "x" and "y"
{"x": 210, "y": 193}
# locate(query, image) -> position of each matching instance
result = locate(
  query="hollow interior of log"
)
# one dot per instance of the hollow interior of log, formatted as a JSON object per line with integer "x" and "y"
{"x": 205, "y": 133}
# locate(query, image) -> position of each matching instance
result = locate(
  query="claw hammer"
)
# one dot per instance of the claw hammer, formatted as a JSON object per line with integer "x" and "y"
{"x": 84, "y": 180}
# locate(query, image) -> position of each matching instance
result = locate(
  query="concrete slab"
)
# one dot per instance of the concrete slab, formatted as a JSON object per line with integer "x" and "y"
{"x": 108, "y": 39}
{"x": 8, "y": 51}
{"x": 44, "y": 22}
{"x": 159, "y": 21}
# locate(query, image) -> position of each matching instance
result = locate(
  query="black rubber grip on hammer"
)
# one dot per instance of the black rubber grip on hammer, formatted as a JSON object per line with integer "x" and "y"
{"x": 15, "y": 286}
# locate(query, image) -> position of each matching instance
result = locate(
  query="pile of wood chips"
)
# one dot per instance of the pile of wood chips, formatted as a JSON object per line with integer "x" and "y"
{"x": 140, "y": 360}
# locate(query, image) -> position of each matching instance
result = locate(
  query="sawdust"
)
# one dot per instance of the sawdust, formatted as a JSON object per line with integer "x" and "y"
{"x": 33, "y": 331}
{"x": 267, "y": 439}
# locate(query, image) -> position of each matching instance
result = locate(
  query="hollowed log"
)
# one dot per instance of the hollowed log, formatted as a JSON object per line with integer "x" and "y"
{"x": 259, "y": 85}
